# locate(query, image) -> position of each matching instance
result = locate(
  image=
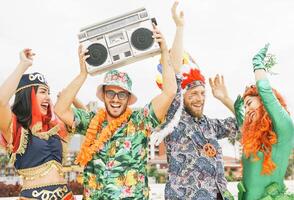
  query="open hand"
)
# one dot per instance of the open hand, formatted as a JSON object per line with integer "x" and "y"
{"x": 218, "y": 87}
{"x": 178, "y": 18}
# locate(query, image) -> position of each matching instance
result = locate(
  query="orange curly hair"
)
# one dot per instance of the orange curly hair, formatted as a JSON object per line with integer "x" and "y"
{"x": 259, "y": 135}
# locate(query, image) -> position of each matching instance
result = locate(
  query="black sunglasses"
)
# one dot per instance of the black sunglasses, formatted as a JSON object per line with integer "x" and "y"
{"x": 120, "y": 95}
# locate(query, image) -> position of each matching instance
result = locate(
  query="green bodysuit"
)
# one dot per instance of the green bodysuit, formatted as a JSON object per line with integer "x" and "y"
{"x": 266, "y": 187}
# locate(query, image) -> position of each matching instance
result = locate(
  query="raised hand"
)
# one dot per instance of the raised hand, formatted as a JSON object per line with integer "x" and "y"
{"x": 82, "y": 58}
{"x": 218, "y": 87}
{"x": 158, "y": 37}
{"x": 178, "y": 18}
{"x": 26, "y": 57}
{"x": 258, "y": 59}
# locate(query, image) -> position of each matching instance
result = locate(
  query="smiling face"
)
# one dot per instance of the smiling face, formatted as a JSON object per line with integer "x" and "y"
{"x": 115, "y": 100}
{"x": 252, "y": 105}
{"x": 194, "y": 100}
{"x": 43, "y": 99}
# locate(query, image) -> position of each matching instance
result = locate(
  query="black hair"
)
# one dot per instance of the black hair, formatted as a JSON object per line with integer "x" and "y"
{"x": 22, "y": 106}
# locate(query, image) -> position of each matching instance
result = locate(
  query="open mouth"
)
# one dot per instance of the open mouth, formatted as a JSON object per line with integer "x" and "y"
{"x": 197, "y": 106}
{"x": 115, "y": 105}
{"x": 44, "y": 106}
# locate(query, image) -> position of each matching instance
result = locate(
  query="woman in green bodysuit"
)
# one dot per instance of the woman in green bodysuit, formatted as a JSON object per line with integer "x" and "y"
{"x": 267, "y": 138}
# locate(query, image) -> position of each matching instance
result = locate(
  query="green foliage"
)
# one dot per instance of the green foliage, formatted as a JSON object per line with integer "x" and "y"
{"x": 160, "y": 177}
{"x": 152, "y": 171}
{"x": 270, "y": 61}
{"x": 4, "y": 160}
{"x": 231, "y": 177}
{"x": 290, "y": 169}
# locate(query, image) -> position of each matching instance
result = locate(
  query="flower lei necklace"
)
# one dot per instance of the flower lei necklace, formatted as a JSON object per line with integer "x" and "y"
{"x": 91, "y": 145}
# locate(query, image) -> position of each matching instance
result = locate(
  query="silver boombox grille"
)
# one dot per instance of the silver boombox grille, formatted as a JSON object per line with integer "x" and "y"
{"x": 119, "y": 41}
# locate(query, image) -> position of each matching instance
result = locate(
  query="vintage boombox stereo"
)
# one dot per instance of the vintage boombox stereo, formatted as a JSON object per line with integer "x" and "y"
{"x": 119, "y": 41}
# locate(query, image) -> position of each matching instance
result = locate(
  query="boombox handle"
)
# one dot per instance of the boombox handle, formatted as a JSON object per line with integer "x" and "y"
{"x": 153, "y": 20}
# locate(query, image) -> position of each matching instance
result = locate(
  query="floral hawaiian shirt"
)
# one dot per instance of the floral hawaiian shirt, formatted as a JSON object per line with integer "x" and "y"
{"x": 118, "y": 171}
{"x": 191, "y": 173}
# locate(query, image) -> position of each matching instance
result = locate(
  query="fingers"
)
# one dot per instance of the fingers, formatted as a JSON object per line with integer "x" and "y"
{"x": 80, "y": 48}
{"x": 174, "y": 8}
{"x": 157, "y": 34}
{"x": 86, "y": 57}
{"x": 182, "y": 14}
{"x": 27, "y": 52}
{"x": 178, "y": 18}
{"x": 211, "y": 83}
{"x": 216, "y": 81}
{"x": 83, "y": 53}
{"x": 157, "y": 37}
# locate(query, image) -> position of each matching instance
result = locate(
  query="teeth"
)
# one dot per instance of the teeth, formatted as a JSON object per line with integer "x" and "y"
{"x": 197, "y": 105}
{"x": 44, "y": 105}
{"x": 115, "y": 105}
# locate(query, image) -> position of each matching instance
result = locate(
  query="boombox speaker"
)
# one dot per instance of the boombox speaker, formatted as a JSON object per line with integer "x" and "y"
{"x": 119, "y": 41}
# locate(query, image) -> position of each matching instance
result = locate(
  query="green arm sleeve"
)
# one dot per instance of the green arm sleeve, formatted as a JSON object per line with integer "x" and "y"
{"x": 239, "y": 110}
{"x": 282, "y": 122}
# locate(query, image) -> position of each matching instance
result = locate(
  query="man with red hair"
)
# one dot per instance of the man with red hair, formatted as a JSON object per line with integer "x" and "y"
{"x": 267, "y": 137}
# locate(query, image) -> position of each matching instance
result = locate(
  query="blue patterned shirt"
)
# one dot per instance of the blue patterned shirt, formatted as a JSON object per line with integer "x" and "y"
{"x": 192, "y": 174}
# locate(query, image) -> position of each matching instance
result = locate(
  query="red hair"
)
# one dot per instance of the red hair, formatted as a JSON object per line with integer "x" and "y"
{"x": 260, "y": 136}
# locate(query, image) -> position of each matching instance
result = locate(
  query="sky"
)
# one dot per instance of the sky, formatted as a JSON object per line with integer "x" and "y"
{"x": 221, "y": 35}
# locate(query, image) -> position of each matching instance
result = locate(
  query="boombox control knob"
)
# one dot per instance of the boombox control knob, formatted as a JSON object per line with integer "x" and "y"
{"x": 142, "y": 39}
{"x": 98, "y": 54}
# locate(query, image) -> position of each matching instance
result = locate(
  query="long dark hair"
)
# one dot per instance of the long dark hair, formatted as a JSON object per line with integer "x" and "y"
{"x": 22, "y": 106}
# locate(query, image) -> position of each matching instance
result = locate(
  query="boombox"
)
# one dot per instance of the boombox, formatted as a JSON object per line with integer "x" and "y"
{"x": 119, "y": 41}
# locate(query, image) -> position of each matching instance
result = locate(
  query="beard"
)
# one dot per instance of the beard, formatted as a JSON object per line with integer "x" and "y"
{"x": 194, "y": 113}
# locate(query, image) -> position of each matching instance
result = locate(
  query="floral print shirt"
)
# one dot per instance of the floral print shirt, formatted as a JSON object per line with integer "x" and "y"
{"x": 191, "y": 173}
{"x": 118, "y": 171}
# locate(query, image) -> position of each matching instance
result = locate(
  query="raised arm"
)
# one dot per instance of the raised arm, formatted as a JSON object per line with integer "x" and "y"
{"x": 219, "y": 91}
{"x": 177, "y": 49}
{"x": 76, "y": 103}
{"x": 63, "y": 105}
{"x": 162, "y": 102}
{"x": 7, "y": 90}
{"x": 277, "y": 113}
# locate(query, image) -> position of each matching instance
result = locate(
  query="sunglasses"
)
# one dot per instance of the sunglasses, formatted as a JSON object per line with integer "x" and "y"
{"x": 120, "y": 95}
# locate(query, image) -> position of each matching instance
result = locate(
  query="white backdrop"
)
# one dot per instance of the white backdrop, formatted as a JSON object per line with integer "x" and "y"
{"x": 222, "y": 35}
